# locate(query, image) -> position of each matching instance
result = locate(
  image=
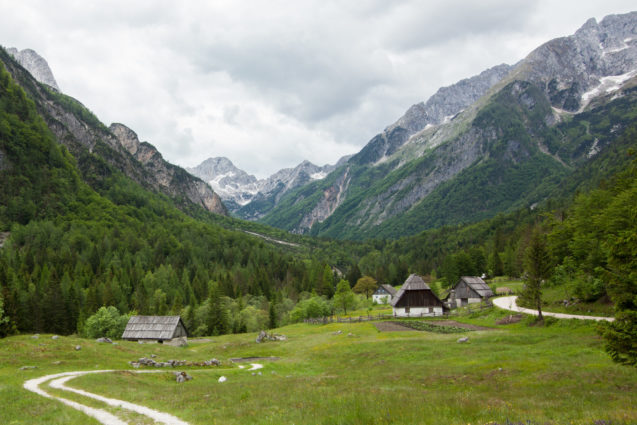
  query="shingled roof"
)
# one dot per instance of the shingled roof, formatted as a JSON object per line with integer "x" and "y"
{"x": 413, "y": 283}
{"x": 478, "y": 285}
{"x": 390, "y": 289}
{"x": 154, "y": 327}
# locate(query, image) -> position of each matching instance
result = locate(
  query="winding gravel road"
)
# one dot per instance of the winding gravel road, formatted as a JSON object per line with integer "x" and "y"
{"x": 59, "y": 380}
{"x": 508, "y": 303}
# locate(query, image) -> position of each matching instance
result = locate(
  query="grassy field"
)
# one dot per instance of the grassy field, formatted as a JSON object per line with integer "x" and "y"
{"x": 558, "y": 374}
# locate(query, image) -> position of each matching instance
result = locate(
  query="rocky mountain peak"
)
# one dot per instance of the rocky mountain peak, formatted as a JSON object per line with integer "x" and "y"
{"x": 36, "y": 65}
{"x": 596, "y": 60}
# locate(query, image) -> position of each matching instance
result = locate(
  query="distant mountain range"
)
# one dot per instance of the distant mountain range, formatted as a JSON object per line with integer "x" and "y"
{"x": 498, "y": 141}
{"x": 251, "y": 198}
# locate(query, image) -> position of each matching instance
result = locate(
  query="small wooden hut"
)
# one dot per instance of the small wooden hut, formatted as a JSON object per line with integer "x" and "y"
{"x": 416, "y": 299}
{"x": 383, "y": 294}
{"x": 155, "y": 329}
{"x": 468, "y": 290}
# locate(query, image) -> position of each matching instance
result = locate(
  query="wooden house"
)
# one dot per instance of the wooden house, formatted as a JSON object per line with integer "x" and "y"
{"x": 468, "y": 290}
{"x": 383, "y": 294}
{"x": 416, "y": 298}
{"x": 161, "y": 329}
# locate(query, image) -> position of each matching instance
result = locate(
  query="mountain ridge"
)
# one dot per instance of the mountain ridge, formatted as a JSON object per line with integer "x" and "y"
{"x": 402, "y": 167}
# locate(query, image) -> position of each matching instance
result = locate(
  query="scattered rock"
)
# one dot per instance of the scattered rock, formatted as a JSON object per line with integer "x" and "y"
{"x": 78, "y": 347}
{"x": 463, "y": 339}
{"x": 264, "y": 336}
{"x": 152, "y": 356}
{"x": 182, "y": 377}
{"x": 57, "y": 362}
{"x": 350, "y": 334}
{"x": 36, "y": 336}
{"x": 222, "y": 379}
{"x": 28, "y": 367}
{"x": 105, "y": 340}
{"x": 337, "y": 333}
{"x": 212, "y": 362}
{"x": 54, "y": 337}
{"x": 145, "y": 361}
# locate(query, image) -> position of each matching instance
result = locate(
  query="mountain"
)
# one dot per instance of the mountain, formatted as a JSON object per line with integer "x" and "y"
{"x": 101, "y": 151}
{"x": 248, "y": 197}
{"x": 36, "y": 65}
{"x": 493, "y": 143}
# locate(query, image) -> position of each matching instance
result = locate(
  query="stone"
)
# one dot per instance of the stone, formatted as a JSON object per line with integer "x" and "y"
{"x": 337, "y": 333}
{"x": 78, "y": 347}
{"x": 152, "y": 356}
{"x": 222, "y": 379}
{"x": 104, "y": 340}
{"x": 463, "y": 339}
{"x": 261, "y": 337}
{"x": 212, "y": 362}
{"x": 28, "y": 367}
{"x": 36, "y": 336}
{"x": 182, "y": 377}
{"x": 57, "y": 362}
{"x": 54, "y": 337}
{"x": 264, "y": 336}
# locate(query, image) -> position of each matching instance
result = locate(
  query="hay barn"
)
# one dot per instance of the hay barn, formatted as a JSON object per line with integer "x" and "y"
{"x": 155, "y": 329}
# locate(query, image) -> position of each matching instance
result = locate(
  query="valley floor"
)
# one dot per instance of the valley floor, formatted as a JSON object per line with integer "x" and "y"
{"x": 510, "y": 374}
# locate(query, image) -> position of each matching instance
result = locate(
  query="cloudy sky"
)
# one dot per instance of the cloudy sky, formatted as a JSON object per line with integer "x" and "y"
{"x": 270, "y": 83}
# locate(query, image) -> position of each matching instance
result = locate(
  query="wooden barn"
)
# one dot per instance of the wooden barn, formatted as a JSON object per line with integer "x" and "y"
{"x": 416, "y": 298}
{"x": 468, "y": 290}
{"x": 383, "y": 294}
{"x": 162, "y": 329}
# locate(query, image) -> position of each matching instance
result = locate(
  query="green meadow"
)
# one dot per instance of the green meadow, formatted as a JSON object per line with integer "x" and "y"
{"x": 513, "y": 374}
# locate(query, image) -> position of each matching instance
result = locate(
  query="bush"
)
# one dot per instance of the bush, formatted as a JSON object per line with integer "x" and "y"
{"x": 107, "y": 322}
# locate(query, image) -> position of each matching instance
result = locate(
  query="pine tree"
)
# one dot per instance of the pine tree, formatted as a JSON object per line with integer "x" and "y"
{"x": 537, "y": 263}
{"x": 217, "y": 320}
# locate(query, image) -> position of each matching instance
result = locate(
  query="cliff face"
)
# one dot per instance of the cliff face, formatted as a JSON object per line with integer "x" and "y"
{"x": 91, "y": 142}
{"x": 167, "y": 178}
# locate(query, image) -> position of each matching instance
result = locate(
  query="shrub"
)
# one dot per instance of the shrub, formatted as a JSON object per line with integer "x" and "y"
{"x": 106, "y": 322}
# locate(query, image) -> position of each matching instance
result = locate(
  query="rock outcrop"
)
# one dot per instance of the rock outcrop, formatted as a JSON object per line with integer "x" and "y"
{"x": 36, "y": 65}
{"x": 168, "y": 178}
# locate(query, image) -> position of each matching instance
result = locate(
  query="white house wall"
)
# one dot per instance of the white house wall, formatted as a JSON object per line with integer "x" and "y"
{"x": 418, "y": 312}
{"x": 381, "y": 299}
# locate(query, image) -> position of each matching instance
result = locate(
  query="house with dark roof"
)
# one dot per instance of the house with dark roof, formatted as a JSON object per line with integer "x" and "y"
{"x": 162, "y": 329}
{"x": 416, "y": 299}
{"x": 383, "y": 294}
{"x": 468, "y": 290}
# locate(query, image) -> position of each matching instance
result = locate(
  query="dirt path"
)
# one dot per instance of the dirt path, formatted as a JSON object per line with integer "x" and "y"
{"x": 59, "y": 380}
{"x": 508, "y": 303}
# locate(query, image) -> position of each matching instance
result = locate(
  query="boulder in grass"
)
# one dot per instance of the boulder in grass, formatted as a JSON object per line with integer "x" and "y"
{"x": 463, "y": 339}
{"x": 182, "y": 377}
{"x": 104, "y": 340}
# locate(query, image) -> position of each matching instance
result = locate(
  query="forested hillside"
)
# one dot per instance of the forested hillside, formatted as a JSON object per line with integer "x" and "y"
{"x": 73, "y": 249}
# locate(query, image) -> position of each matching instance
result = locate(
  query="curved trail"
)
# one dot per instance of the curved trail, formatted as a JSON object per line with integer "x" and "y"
{"x": 59, "y": 380}
{"x": 508, "y": 303}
